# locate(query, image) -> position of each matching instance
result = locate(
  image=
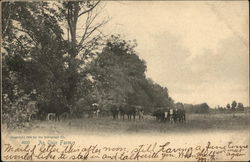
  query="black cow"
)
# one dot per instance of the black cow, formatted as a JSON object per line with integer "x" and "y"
{"x": 128, "y": 110}
{"x": 159, "y": 114}
{"x": 180, "y": 115}
{"x": 115, "y": 111}
{"x": 170, "y": 115}
{"x": 50, "y": 108}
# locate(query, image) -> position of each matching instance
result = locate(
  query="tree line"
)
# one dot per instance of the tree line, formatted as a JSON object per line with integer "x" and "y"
{"x": 193, "y": 108}
{"x": 233, "y": 107}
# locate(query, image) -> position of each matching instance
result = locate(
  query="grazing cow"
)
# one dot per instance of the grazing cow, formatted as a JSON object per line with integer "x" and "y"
{"x": 50, "y": 108}
{"x": 128, "y": 110}
{"x": 159, "y": 114}
{"x": 180, "y": 115}
{"x": 115, "y": 111}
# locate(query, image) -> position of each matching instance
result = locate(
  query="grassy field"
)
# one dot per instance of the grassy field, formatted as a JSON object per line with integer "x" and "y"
{"x": 194, "y": 122}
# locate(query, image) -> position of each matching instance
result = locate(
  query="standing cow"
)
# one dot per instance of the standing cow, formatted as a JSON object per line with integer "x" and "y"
{"x": 181, "y": 115}
{"x": 159, "y": 114}
{"x": 114, "y": 111}
{"x": 167, "y": 115}
{"x": 178, "y": 116}
{"x": 128, "y": 110}
{"x": 52, "y": 110}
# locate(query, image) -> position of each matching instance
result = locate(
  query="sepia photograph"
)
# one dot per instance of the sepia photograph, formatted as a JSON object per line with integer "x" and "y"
{"x": 103, "y": 80}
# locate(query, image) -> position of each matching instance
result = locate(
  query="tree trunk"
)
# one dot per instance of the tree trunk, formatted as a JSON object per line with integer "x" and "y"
{"x": 73, "y": 11}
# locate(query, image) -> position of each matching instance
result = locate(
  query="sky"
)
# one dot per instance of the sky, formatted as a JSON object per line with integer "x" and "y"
{"x": 198, "y": 50}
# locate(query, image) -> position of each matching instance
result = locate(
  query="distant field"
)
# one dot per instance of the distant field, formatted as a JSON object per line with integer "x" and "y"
{"x": 194, "y": 122}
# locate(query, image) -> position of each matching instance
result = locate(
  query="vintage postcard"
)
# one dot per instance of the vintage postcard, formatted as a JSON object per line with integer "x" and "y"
{"x": 104, "y": 80}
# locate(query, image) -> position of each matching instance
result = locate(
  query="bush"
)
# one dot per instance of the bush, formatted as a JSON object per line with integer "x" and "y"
{"x": 15, "y": 114}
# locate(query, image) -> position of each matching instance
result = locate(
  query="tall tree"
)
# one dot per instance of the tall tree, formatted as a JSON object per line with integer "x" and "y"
{"x": 119, "y": 75}
{"x": 83, "y": 45}
{"x": 41, "y": 51}
{"x": 233, "y": 107}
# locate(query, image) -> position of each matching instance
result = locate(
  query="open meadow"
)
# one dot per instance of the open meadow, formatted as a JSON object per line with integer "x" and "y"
{"x": 106, "y": 125}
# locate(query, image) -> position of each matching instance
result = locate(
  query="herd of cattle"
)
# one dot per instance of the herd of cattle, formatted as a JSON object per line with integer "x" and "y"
{"x": 161, "y": 114}
{"x": 47, "y": 111}
{"x": 51, "y": 111}
{"x": 170, "y": 115}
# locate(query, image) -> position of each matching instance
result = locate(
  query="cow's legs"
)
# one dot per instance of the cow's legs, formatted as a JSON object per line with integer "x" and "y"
{"x": 171, "y": 119}
{"x": 113, "y": 116}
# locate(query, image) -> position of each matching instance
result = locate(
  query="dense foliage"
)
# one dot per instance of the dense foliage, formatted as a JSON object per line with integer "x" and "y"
{"x": 119, "y": 77}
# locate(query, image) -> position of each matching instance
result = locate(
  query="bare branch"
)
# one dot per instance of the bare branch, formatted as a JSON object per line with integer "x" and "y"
{"x": 95, "y": 28}
{"x": 89, "y": 21}
{"x": 90, "y": 9}
{"x": 86, "y": 29}
{"x": 89, "y": 30}
{"x": 88, "y": 34}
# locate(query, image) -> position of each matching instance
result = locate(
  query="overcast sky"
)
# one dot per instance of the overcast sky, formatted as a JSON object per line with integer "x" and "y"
{"x": 198, "y": 50}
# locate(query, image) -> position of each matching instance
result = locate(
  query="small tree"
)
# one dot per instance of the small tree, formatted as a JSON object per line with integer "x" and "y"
{"x": 234, "y": 104}
{"x": 240, "y": 107}
{"x": 233, "y": 108}
{"x": 228, "y": 106}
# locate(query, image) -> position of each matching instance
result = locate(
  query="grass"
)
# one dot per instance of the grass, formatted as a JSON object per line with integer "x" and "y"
{"x": 194, "y": 122}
